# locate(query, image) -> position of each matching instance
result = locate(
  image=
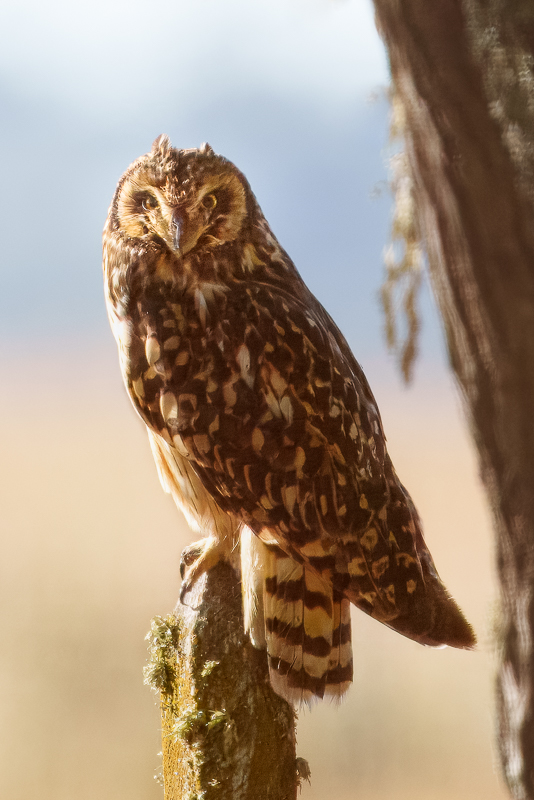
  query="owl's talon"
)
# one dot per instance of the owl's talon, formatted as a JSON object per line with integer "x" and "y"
{"x": 191, "y": 565}
{"x": 189, "y": 555}
{"x": 198, "y": 558}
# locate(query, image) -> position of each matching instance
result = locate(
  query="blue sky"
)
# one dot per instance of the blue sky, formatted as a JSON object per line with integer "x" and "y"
{"x": 283, "y": 88}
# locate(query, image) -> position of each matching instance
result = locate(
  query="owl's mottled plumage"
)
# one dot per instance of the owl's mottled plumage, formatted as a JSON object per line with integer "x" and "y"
{"x": 261, "y": 421}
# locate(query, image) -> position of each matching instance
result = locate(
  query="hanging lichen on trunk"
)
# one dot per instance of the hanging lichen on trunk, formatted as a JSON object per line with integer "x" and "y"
{"x": 403, "y": 258}
{"x": 465, "y": 75}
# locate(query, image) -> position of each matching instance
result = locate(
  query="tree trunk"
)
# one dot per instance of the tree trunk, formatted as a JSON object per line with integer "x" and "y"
{"x": 226, "y": 735}
{"x": 463, "y": 72}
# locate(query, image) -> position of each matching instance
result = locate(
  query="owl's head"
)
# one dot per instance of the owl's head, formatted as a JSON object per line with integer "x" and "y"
{"x": 183, "y": 200}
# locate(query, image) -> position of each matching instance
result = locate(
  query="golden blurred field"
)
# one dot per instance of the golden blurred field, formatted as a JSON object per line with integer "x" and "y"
{"x": 90, "y": 553}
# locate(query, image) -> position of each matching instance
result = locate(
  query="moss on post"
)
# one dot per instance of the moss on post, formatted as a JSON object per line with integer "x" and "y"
{"x": 226, "y": 734}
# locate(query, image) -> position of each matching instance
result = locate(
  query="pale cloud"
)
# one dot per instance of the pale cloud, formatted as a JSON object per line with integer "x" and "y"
{"x": 100, "y": 56}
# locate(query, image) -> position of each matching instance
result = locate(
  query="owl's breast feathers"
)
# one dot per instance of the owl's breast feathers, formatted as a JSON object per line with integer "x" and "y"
{"x": 258, "y": 389}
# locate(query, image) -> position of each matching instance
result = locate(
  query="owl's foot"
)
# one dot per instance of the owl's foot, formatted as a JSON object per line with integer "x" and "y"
{"x": 198, "y": 558}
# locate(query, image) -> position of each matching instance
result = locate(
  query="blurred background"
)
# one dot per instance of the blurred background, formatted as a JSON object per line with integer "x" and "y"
{"x": 294, "y": 92}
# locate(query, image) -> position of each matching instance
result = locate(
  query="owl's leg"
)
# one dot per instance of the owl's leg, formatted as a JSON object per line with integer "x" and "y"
{"x": 255, "y": 557}
{"x": 201, "y": 511}
{"x": 196, "y": 559}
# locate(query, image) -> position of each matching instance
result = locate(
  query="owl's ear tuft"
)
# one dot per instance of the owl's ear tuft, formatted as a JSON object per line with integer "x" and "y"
{"x": 206, "y": 149}
{"x": 162, "y": 145}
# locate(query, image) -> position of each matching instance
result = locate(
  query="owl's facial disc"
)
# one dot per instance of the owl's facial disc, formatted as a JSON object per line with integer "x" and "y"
{"x": 187, "y": 199}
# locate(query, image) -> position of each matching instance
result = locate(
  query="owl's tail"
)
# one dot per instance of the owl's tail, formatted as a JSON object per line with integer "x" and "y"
{"x": 435, "y": 619}
{"x": 431, "y": 616}
{"x": 299, "y": 619}
{"x": 394, "y": 579}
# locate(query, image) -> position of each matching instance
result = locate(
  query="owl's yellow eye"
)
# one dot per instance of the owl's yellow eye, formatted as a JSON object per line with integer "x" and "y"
{"x": 149, "y": 202}
{"x": 209, "y": 202}
{"x": 145, "y": 201}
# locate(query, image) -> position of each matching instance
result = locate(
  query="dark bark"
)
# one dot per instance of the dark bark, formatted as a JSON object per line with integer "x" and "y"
{"x": 226, "y": 734}
{"x": 464, "y": 74}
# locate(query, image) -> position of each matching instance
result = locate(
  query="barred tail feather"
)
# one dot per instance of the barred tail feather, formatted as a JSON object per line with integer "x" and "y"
{"x": 306, "y": 627}
{"x": 339, "y": 676}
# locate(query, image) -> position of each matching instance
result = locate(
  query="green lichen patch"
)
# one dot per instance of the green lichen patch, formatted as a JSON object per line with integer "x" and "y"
{"x": 208, "y": 668}
{"x": 160, "y": 672}
{"x": 195, "y": 723}
{"x": 216, "y": 718}
{"x": 303, "y": 771}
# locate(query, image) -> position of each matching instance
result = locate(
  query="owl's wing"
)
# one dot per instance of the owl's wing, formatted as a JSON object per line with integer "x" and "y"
{"x": 278, "y": 422}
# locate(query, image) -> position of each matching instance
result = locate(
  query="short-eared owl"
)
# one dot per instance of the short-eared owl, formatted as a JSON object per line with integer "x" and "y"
{"x": 261, "y": 422}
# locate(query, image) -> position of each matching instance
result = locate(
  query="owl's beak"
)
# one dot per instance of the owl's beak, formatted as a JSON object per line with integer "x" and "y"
{"x": 185, "y": 232}
{"x": 177, "y": 228}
